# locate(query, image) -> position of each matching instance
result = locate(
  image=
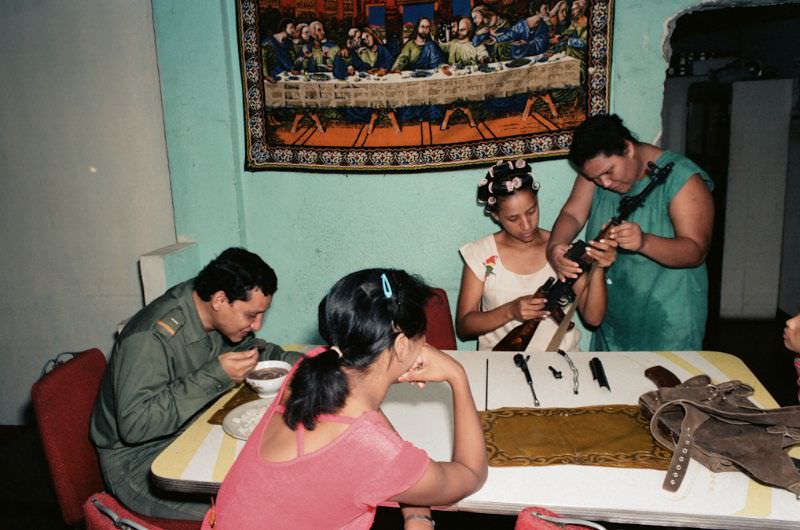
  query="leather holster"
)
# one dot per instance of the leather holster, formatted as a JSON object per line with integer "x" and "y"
{"x": 721, "y": 428}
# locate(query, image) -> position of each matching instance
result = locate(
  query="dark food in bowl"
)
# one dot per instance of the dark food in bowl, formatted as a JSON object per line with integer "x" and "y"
{"x": 264, "y": 374}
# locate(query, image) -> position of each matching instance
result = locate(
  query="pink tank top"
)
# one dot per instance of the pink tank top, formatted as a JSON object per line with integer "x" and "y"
{"x": 336, "y": 486}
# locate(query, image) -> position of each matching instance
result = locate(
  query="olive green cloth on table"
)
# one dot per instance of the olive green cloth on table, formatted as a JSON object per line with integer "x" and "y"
{"x": 605, "y": 435}
{"x": 245, "y": 394}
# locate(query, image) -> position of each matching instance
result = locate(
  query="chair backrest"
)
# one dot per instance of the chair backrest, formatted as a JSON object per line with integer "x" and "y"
{"x": 440, "y": 332}
{"x": 104, "y": 512}
{"x": 63, "y": 400}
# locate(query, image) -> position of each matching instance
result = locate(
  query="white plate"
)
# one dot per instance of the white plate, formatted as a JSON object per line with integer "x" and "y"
{"x": 241, "y": 421}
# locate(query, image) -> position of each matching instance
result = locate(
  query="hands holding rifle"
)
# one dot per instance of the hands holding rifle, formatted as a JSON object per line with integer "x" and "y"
{"x": 626, "y": 235}
{"x": 528, "y": 307}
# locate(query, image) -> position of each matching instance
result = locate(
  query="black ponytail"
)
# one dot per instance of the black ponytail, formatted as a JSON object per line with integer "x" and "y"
{"x": 361, "y": 315}
{"x": 318, "y": 387}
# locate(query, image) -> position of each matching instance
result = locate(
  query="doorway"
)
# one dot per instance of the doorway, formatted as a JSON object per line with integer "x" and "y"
{"x": 711, "y": 51}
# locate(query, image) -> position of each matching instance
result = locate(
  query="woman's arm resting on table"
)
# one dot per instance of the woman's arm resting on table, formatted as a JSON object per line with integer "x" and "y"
{"x": 569, "y": 222}
{"x": 449, "y": 482}
{"x": 692, "y": 214}
{"x": 472, "y": 322}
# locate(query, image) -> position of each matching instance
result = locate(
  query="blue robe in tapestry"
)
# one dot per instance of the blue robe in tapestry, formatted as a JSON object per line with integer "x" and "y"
{"x": 362, "y": 62}
{"x": 276, "y": 55}
{"x": 340, "y": 65}
{"x": 496, "y": 33}
{"x": 384, "y": 59}
{"x": 536, "y": 39}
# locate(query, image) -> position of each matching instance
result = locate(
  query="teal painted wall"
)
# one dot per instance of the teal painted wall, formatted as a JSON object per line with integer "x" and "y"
{"x": 198, "y": 66}
{"x": 313, "y": 228}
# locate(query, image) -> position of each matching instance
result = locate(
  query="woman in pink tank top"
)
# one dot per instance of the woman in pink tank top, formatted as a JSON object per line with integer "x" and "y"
{"x": 324, "y": 455}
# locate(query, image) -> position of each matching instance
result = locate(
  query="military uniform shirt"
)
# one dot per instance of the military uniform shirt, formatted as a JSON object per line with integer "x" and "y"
{"x": 163, "y": 371}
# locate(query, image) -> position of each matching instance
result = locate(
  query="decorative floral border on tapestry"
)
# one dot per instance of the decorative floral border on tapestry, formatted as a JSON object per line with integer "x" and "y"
{"x": 355, "y": 85}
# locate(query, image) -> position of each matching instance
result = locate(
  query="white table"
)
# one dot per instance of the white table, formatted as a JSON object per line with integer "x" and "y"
{"x": 199, "y": 459}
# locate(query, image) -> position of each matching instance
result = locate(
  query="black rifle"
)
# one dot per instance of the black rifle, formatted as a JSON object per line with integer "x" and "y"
{"x": 560, "y": 294}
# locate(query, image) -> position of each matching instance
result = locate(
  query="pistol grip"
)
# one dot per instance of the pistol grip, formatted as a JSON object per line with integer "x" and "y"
{"x": 577, "y": 253}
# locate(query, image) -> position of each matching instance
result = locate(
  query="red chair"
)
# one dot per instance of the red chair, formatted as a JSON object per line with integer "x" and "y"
{"x": 537, "y": 518}
{"x": 440, "y": 332}
{"x": 62, "y": 401}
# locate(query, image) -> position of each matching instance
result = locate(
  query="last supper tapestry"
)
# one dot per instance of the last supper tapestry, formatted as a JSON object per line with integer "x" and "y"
{"x": 389, "y": 85}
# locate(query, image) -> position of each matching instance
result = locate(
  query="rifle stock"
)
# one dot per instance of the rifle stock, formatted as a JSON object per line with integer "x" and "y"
{"x": 519, "y": 337}
{"x": 560, "y": 294}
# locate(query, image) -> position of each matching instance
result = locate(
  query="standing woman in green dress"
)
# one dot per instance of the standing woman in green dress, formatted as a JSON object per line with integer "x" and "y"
{"x": 658, "y": 288}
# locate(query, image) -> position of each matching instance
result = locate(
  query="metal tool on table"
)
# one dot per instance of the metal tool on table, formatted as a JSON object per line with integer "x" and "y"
{"x": 522, "y": 363}
{"x": 598, "y": 373}
{"x": 574, "y": 371}
{"x": 556, "y": 373}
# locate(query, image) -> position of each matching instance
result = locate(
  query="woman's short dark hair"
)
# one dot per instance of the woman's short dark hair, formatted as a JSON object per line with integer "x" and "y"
{"x": 361, "y": 316}
{"x": 236, "y": 272}
{"x": 505, "y": 178}
{"x": 598, "y": 135}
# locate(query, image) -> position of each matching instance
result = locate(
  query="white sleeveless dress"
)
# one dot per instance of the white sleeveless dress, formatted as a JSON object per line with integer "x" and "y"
{"x": 500, "y": 286}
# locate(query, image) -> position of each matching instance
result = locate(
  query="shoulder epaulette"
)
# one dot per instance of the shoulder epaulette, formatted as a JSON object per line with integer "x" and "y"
{"x": 169, "y": 324}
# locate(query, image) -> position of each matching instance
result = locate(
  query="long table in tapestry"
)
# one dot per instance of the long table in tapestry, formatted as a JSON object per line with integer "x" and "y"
{"x": 421, "y": 87}
{"x": 200, "y": 457}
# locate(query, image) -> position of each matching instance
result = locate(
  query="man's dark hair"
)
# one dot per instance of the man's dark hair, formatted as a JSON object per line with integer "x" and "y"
{"x": 416, "y": 27}
{"x": 598, "y": 135}
{"x": 235, "y": 272}
{"x": 535, "y": 5}
{"x": 284, "y": 23}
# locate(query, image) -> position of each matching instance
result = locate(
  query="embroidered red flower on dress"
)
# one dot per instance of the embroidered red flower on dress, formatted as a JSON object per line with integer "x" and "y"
{"x": 490, "y": 263}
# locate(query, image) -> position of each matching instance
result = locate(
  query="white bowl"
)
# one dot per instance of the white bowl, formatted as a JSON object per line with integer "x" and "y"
{"x": 267, "y": 387}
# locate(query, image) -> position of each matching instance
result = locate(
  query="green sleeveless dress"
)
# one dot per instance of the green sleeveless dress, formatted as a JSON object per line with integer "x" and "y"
{"x": 650, "y": 306}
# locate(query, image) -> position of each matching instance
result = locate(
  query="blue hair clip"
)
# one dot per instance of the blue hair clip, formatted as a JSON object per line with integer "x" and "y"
{"x": 387, "y": 287}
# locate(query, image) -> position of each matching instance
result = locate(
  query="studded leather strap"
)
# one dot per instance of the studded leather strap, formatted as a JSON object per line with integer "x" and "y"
{"x": 682, "y": 450}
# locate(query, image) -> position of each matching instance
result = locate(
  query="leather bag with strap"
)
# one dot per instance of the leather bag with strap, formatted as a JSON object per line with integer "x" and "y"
{"x": 720, "y": 427}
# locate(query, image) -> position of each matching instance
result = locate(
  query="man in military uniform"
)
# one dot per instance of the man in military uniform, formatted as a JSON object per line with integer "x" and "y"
{"x": 172, "y": 359}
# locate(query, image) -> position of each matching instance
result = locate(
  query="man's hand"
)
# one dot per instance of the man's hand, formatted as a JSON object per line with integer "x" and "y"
{"x": 237, "y": 364}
